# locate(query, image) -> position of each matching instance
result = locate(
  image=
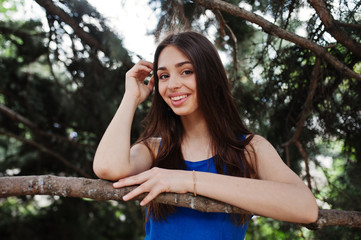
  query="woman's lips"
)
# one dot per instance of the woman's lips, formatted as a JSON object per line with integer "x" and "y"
{"x": 179, "y": 99}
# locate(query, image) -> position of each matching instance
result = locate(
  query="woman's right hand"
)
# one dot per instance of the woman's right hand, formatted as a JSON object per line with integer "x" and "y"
{"x": 134, "y": 81}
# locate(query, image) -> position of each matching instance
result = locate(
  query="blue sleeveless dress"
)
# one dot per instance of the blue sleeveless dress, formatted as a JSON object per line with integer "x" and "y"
{"x": 187, "y": 223}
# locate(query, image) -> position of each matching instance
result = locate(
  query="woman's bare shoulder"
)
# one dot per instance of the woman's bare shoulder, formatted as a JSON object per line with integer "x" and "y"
{"x": 258, "y": 142}
{"x": 142, "y": 154}
{"x": 258, "y": 148}
{"x": 151, "y": 144}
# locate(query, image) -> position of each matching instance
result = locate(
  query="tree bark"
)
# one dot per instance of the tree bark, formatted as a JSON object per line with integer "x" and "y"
{"x": 273, "y": 29}
{"x": 102, "y": 190}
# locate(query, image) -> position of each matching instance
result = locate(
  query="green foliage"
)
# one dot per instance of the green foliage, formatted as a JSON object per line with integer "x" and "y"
{"x": 264, "y": 228}
{"x": 7, "y": 7}
{"x": 64, "y": 219}
{"x": 68, "y": 91}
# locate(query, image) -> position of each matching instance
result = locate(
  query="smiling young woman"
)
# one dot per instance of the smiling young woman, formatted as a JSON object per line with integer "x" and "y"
{"x": 195, "y": 141}
{"x": 177, "y": 81}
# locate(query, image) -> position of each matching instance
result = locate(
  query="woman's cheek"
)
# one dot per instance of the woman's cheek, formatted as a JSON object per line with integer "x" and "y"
{"x": 162, "y": 91}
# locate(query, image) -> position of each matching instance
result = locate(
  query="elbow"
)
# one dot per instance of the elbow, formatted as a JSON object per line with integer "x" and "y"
{"x": 106, "y": 172}
{"x": 310, "y": 213}
{"x": 102, "y": 173}
{"x": 305, "y": 211}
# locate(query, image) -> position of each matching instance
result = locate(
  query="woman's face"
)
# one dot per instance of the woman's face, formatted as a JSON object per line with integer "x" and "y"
{"x": 177, "y": 81}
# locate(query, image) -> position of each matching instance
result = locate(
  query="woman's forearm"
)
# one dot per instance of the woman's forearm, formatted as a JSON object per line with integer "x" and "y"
{"x": 282, "y": 201}
{"x": 286, "y": 201}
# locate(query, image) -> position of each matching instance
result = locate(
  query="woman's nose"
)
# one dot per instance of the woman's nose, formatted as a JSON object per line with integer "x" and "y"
{"x": 174, "y": 82}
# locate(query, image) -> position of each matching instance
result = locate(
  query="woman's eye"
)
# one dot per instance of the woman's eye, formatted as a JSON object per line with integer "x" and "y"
{"x": 186, "y": 72}
{"x": 163, "y": 76}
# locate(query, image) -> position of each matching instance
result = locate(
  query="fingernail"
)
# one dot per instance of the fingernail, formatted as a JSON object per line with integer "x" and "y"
{"x": 125, "y": 197}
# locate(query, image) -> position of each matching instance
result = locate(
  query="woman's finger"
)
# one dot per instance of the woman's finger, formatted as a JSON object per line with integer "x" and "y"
{"x": 144, "y": 66}
{"x": 123, "y": 183}
{"x": 140, "y": 72}
{"x": 145, "y": 63}
{"x": 137, "y": 191}
{"x": 151, "y": 83}
{"x": 148, "y": 186}
{"x": 141, "y": 68}
{"x": 151, "y": 195}
{"x": 133, "y": 180}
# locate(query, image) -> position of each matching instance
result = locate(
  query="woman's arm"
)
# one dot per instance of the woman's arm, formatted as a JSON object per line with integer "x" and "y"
{"x": 279, "y": 193}
{"x": 114, "y": 159}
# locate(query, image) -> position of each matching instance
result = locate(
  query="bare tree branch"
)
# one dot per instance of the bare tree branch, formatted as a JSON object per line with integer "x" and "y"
{"x": 18, "y": 117}
{"x": 15, "y": 116}
{"x": 307, "y": 107}
{"x": 103, "y": 190}
{"x": 348, "y": 25}
{"x": 288, "y": 160}
{"x": 86, "y": 37}
{"x": 51, "y": 8}
{"x": 336, "y": 217}
{"x": 46, "y": 150}
{"x": 19, "y": 33}
{"x": 223, "y": 25}
{"x": 100, "y": 190}
{"x": 60, "y": 86}
{"x": 305, "y": 159}
{"x": 273, "y": 29}
{"x": 332, "y": 27}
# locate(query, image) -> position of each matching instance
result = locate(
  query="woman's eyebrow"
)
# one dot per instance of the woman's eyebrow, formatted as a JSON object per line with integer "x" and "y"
{"x": 182, "y": 63}
{"x": 176, "y": 65}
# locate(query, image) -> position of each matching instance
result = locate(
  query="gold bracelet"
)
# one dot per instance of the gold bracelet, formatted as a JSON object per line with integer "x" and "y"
{"x": 194, "y": 184}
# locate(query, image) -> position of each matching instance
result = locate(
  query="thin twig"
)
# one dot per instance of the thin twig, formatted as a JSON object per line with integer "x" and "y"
{"x": 305, "y": 159}
{"x": 230, "y": 33}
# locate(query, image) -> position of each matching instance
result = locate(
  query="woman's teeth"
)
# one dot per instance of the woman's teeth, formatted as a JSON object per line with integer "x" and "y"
{"x": 178, "y": 97}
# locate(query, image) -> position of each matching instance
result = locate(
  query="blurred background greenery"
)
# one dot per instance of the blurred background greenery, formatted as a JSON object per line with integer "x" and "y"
{"x": 58, "y": 92}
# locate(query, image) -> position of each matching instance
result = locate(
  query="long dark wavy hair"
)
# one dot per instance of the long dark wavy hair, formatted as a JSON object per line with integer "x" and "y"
{"x": 215, "y": 101}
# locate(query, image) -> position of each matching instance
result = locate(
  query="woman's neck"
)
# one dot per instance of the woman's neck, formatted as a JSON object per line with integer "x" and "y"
{"x": 195, "y": 126}
{"x": 196, "y": 142}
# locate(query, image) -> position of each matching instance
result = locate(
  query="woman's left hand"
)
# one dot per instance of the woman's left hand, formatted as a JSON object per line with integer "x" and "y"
{"x": 156, "y": 181}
